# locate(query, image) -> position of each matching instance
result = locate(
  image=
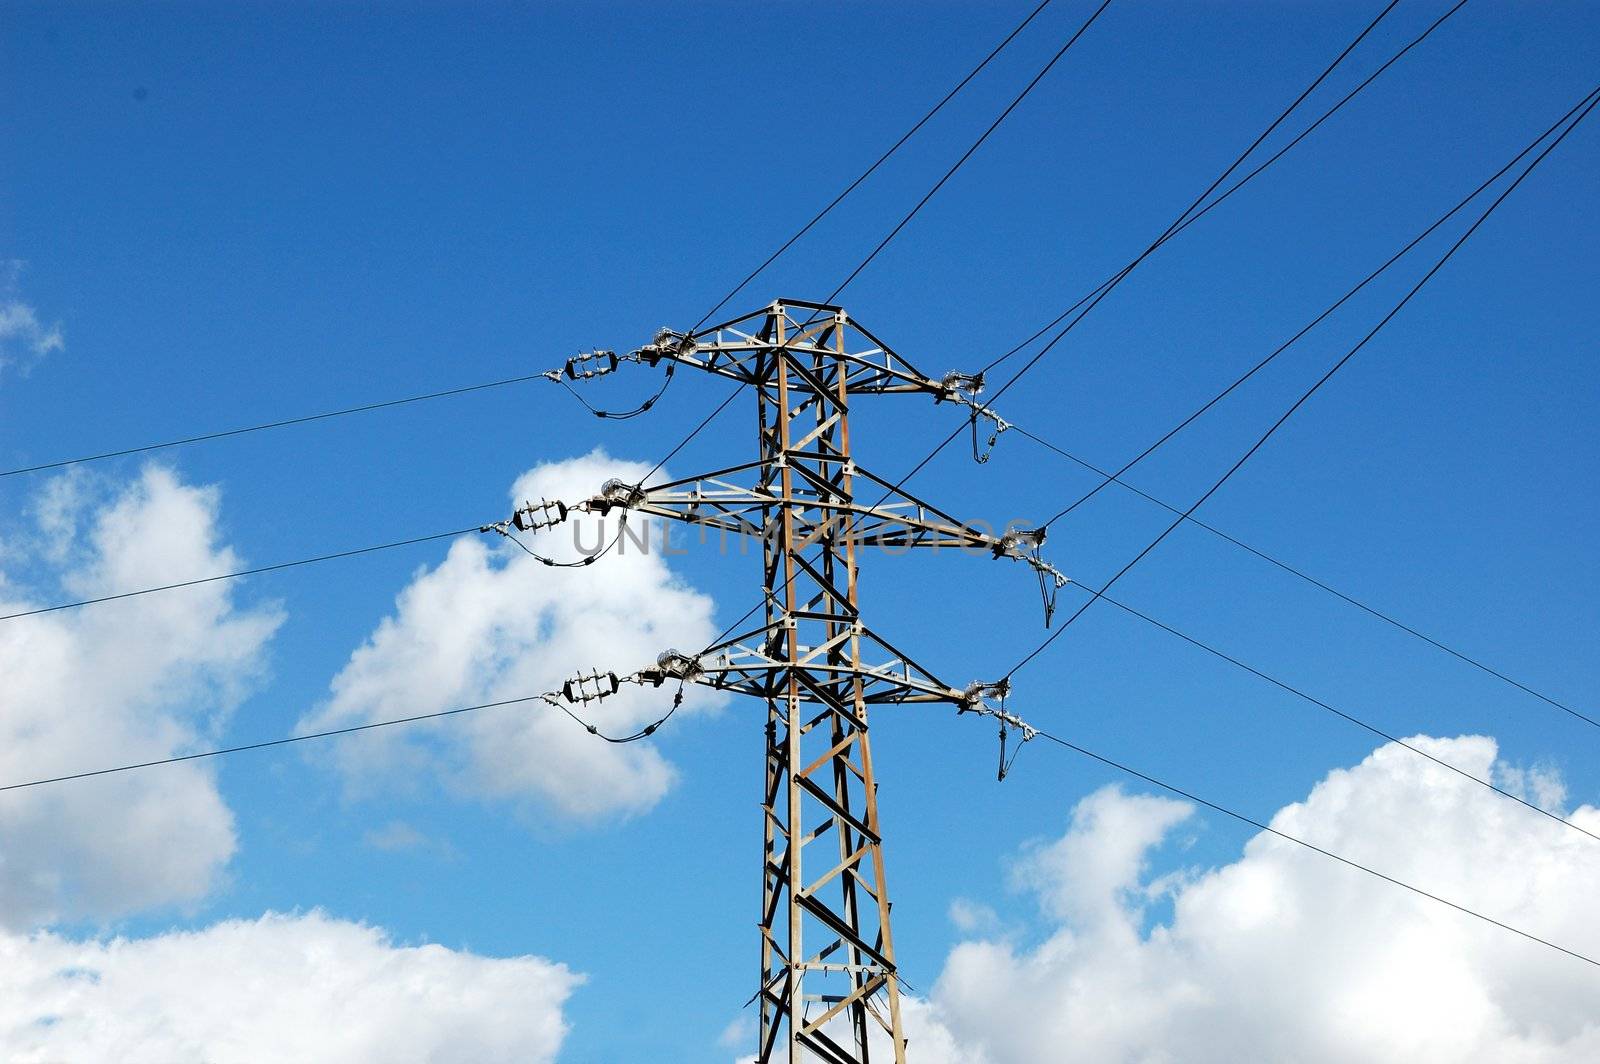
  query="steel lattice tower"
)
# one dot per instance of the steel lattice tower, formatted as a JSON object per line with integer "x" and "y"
{"x": 828, "y": 987}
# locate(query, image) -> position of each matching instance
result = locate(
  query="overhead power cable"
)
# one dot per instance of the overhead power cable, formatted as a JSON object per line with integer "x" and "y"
{"x": 1592, "y": 98}
{"x": 1175, "y": 227}
{"x": 1115, "y": 477}
{"x": 868, "y": 172}
{"x": 904, "y": 221}
{"x": 959, "y": 163}
{"x": 551, "y": 699}
{"x": 1297, "y": 841}
{"x": 1191, "y": 214}
{"x": 914, "y": 210}
{"x": 1320, "y": 318}
{"x": 266, "y": 744}
{"x": 523, "y": 379}
{"x": 1185, "y": 218}
{"x": 241, "y": 572}
{"x": 1347, "y": 717}
{"x": 1308, "y": 578}
{"x": 283, "y": 423}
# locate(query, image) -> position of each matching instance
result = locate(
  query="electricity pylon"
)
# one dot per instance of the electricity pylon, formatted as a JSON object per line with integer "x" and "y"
{"x": 828, "y": 973}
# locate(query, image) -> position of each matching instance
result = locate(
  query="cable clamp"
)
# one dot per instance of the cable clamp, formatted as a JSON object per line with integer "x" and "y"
{"x": 972, "y": 701}
{"x": 979, "y": 410}
{"x": 668, "y": 343}
{"x": 1023, "y": 544}
{"x": 614, "y": 494}
{"x": 955, "y": 382}
{"x": 675, "y": 664}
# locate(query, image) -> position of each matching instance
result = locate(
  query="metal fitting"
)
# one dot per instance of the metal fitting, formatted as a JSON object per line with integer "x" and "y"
{"x": 596, "y": 363}
{"x": 544, "y": 514}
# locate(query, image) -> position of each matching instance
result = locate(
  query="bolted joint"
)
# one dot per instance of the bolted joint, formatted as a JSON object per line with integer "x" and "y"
{"x": 971, "y": 700}
{"x": 956, "y": 382}
{"x": 1017, "y": 542}
{"x": 614, "y": 494}
{"x": 667, "y": 343}
{"x": 679, "y": 666}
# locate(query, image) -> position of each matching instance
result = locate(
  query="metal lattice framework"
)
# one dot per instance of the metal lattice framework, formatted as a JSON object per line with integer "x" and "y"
{"x": 828, "y": 989}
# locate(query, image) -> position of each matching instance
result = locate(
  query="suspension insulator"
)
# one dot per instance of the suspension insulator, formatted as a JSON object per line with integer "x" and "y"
{"x": 596, "y": 363}
{"x": 544, "y": 514}
{"x": 591, "y": 688}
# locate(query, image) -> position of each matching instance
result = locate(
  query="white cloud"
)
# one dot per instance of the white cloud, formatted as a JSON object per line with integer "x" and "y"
{"x": 491, "y": 623}
{"x": 972, "y": 917}
{"x": 394, "y": 837}
{"x": 138, "y": 679}
{"x": 24, "y": 339}
{"x": 303, "y": 988}
{"x": 1284, "y": 955}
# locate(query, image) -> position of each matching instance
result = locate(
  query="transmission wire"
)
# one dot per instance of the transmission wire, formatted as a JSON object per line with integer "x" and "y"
{"x": 948, "y": 174}
{"x": 1593, "y": 98}
{"x": 1093, "y": 298}
{"x": 1308, "y": 578}
{"x": 1285, "y": 836}
{"x": 852, "y": 186}
{"x": 1320, "y": 318}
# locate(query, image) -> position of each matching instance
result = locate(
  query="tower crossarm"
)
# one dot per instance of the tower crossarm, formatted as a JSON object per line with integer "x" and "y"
{"x": 740, "y": 500}
{"x": 737, "y": 349}
{"x": 748, "y": 663}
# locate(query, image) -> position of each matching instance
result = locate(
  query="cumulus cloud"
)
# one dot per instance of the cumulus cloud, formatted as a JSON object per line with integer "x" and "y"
{"x": 24, "y": 338}
{"x": 283, "y": 987}
{"x": 133, "y": 680}
{"x": 491, "y": 623}
{"x": 1283, "y": 955}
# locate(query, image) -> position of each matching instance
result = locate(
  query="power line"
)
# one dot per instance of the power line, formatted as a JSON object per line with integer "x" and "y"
{"x": 552, "y": 698}
{"x": 1308, "y": 578}
{"x": 1593, "y": 98}
{"x": 1180, "y": 223}
{"x": 699, "y": 428}
{"x": 268, "y": 743}
{"x": 1350, "y": 718}
{"x": 1186, "y": 218}
{"x": 1325, "y": 314}
{"x": 852, "y": 186}
{"x": 1285, "y": 836}
{"x": 241, "y": 572}
{"x": 355, "y": 552}
{"x": 183, "y": 441}
{"x": 914, "y": 210}
{"x": 948, "y": 174}
{"x": 904, "y": 221}
{"x": 1114, "y": 477}
{"x": 466, "y": 389}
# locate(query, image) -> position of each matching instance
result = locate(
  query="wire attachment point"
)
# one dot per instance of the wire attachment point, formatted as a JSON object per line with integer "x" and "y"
{"x": 955, "y": 382}
{"x": 668, "y": 343}
{"x": 979, "y": 410}
{"x": 676, "y": 665}
{"x": 972, "y": 701}
{"x": 1023, "y": 544}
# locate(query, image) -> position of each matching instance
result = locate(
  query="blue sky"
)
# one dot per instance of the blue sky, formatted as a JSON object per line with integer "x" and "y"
{"x": 244, "y": 213}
